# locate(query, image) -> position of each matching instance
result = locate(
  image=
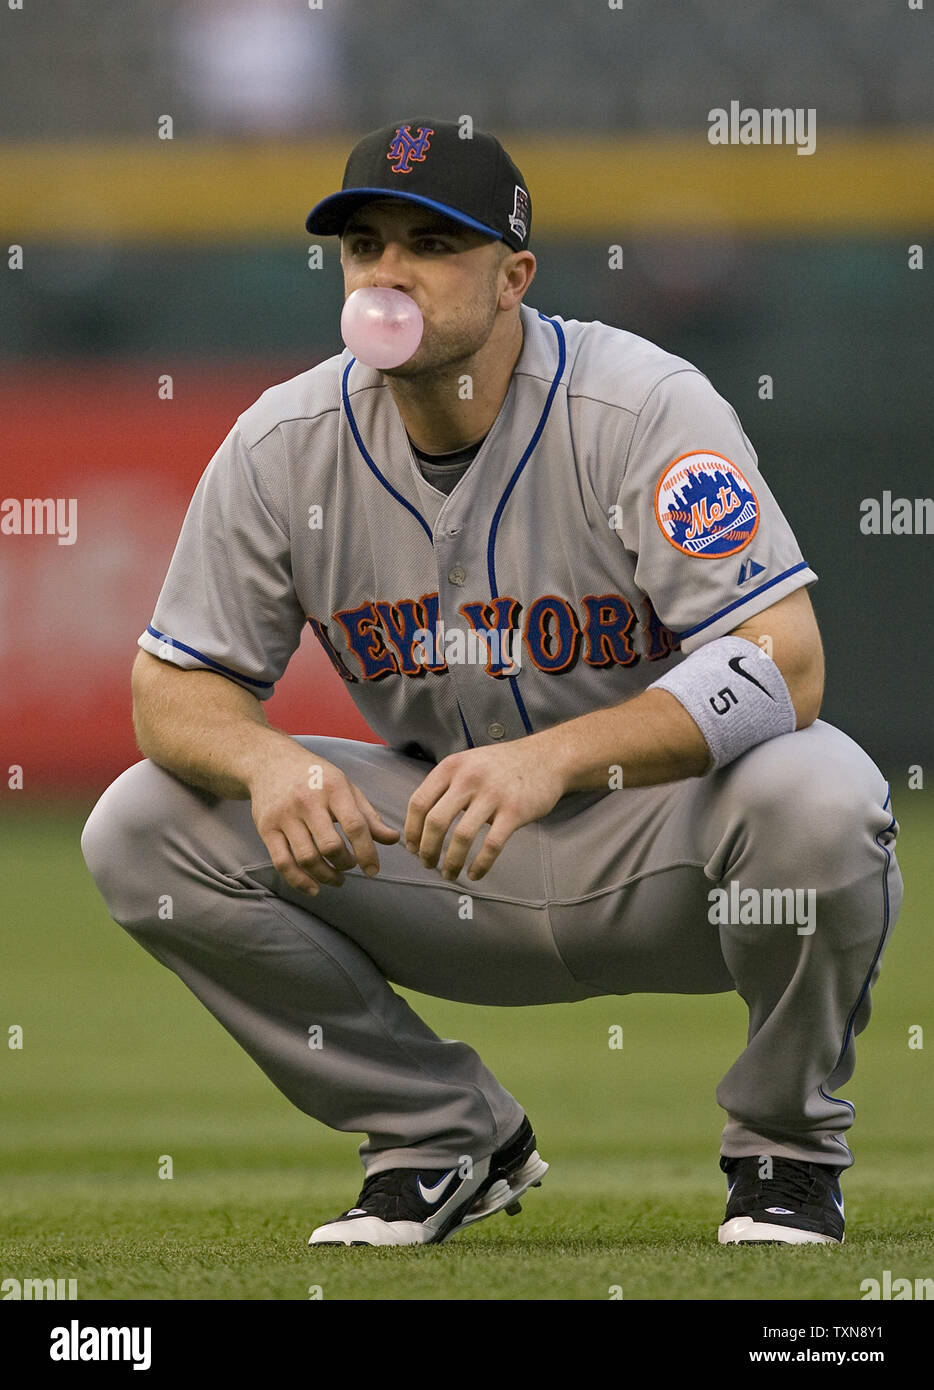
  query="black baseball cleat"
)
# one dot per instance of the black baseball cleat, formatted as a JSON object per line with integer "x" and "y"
{"x": 423, "y": 1206}
{"x": 800, "y": 1204}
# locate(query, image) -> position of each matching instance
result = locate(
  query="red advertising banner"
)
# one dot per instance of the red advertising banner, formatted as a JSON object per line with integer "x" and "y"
{"x": 96, "y": 473}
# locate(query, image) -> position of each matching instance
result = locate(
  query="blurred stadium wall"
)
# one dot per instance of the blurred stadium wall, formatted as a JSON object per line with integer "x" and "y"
{"x": 130, "y": 258}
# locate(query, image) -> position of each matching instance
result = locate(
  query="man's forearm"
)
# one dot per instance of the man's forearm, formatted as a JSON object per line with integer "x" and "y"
{"x": 644, "y": 741}
{"x": 652, "y": 738}
{"x": 201, "y": 726}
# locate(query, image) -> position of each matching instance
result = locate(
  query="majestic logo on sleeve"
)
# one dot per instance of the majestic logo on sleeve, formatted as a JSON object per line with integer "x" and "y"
{"x": 406, "y": 148}
{"x": 705, "y": 506}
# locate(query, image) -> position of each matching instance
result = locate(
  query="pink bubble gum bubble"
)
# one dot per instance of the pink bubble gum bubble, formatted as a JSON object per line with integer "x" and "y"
{"x": 382, "y": 328}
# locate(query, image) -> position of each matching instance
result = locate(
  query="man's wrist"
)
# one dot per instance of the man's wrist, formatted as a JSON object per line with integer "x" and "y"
{"x": 264, "y": 751}
{"x": 644, "y": 741}
{"x": 561, "y": 748}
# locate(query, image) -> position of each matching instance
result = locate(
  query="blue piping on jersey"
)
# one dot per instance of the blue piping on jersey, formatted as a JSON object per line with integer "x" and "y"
{"x": 835, "y": 1100}
{"x": 215, "y": 665}
{"x": 470, "y": 742}
{"x": 362, "y": 447}
{"x": 397, "y": 495}
{"x": 738, "y": 603}
{"x": 491, "y": 543}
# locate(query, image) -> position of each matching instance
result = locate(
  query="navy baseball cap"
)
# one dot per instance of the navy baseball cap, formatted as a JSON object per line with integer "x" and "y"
{"x": 471, "y": 180}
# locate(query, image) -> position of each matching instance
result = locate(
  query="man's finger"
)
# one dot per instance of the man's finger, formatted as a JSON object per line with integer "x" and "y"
{"x": 285, "y": 865}
{"x": 307, "y": 853}
{"x": 328, "y": 840}
{"x": 421, "y": 802}
{"x": 493, "y": 845}
{"x": 477, "y": 815}
{"x": 353, "y": 822}
{"x": 438, "y": 822}
{"x": 380, "y": 830}
{"x": 328, "y": 852}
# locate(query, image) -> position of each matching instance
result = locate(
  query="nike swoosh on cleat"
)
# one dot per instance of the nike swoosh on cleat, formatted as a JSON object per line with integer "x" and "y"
{"x": 434, "y": 1194}
{"x": 781, "y": 1211}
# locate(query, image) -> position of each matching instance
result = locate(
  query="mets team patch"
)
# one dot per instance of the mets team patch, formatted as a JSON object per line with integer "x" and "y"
{"x": 705, "y": 506}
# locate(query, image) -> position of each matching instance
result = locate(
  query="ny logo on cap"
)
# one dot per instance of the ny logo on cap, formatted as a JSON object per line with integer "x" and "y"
{"x": 406, "y": 148}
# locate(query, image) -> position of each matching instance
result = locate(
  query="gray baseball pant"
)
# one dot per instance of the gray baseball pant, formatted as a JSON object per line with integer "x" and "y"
{"x": 609, "y": 894}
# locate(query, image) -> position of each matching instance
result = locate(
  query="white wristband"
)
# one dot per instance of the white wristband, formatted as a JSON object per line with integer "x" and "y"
{"x": 735, "y": 694}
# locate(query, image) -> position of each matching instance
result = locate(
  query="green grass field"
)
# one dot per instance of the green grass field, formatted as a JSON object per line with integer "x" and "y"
{"x": 121, "y": 1065}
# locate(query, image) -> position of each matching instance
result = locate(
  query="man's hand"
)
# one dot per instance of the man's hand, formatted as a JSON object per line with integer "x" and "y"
{"x": 299, "y": 804}
{"x": 503, "y": 787}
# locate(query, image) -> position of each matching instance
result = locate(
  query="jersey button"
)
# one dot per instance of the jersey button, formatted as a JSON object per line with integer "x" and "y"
{"x": 496, "y": 731}
{"x": 457, "y": 575}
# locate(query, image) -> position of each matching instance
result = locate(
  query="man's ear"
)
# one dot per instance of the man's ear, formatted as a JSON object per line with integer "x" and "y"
{"x": 520, "y": 274}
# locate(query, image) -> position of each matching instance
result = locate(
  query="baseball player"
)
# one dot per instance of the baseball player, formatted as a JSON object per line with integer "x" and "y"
{"x": 544, "y": 559}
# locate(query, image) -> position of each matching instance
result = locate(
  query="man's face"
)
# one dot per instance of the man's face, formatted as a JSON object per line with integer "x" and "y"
{"x": 454, "y": 274}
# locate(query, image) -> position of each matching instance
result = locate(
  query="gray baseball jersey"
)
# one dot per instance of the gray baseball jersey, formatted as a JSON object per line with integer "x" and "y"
{"x": 614, "y": 518}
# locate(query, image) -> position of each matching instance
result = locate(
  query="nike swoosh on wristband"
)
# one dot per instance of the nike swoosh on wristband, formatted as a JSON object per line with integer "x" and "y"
{"x": 734, "y": 665}
{"x": 434, "y": 1194}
